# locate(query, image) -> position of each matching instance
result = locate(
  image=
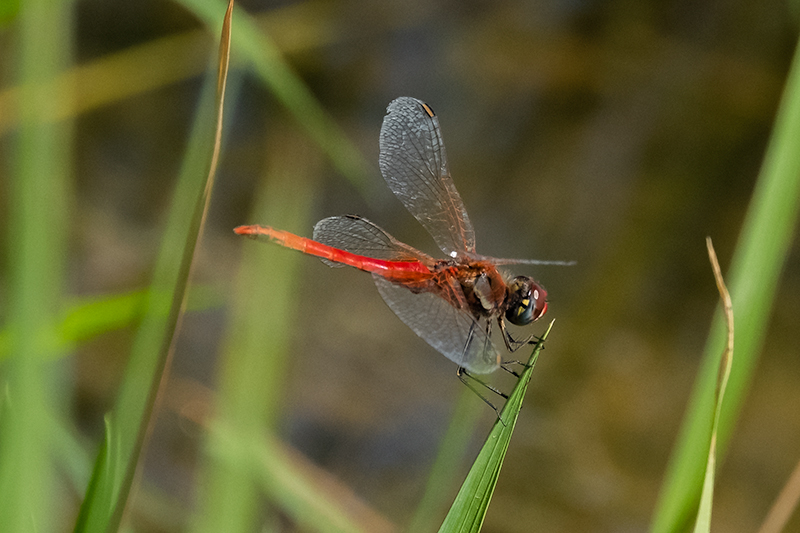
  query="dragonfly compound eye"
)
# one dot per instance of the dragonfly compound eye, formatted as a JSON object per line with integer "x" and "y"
{"x": 527, "y": 301}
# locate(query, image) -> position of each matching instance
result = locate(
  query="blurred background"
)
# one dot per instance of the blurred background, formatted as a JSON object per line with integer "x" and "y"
{"x": 617, "y": 134}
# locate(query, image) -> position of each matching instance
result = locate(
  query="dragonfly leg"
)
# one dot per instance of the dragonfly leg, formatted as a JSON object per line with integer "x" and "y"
{"x": 466, "y": 378}
{"x": 511, "y": 343}
{"x": 487, "y": 343}
{"x": 505, "y": 364}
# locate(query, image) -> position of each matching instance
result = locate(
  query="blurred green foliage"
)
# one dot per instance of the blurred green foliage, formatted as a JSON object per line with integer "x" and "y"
{"x": 616, "y": 134}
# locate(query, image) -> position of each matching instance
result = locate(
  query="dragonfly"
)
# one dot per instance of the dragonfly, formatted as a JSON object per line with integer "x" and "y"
{"x": 451, "y": 303}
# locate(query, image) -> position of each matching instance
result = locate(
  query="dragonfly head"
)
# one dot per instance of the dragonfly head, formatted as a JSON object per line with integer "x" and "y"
{"x": 526, "y": 302}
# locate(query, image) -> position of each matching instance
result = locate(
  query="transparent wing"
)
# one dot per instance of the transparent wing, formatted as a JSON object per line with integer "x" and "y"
{"x": 443, "y": 326}
{"x": 360, "y": 236}
{"x": 414, "y": 165}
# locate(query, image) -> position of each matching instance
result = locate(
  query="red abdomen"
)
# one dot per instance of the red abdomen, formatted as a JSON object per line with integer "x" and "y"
{"x": 412, "y": 272}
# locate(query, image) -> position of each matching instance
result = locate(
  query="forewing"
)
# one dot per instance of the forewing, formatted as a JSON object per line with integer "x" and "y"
{"x": 360, "y": 236}
{"x": 443, "y": 326}
{"x": 414, "y": 165}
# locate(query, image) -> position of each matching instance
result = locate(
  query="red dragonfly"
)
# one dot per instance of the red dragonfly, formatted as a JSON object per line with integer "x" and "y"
{"x": 451, "y": 303}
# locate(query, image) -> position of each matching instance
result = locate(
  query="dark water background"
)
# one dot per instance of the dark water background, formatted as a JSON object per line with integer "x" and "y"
{"x": 617, "y": 134}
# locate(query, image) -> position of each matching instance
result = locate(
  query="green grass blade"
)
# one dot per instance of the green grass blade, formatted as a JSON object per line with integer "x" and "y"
{"x": 469, "y": 509}
{"x": 127, "y": 425}
{"x": 308, "y": 495}
{"x": 270, "y": 66}
{"x": 703, "y": 521}
{"x": 32, "y": 390}
{"x": 90, "y": 317}
{"x": 784, "y": 505}
{"x": 100, "y": 483}
{"x": 254, "y": 360}
{"x": 94, "y": 316}
{"x": 753, "y": 280}
{"x": 441, "y": 480}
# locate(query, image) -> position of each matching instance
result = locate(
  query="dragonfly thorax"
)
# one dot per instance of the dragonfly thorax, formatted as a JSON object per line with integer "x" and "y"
{"x": 482, "y": 286}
